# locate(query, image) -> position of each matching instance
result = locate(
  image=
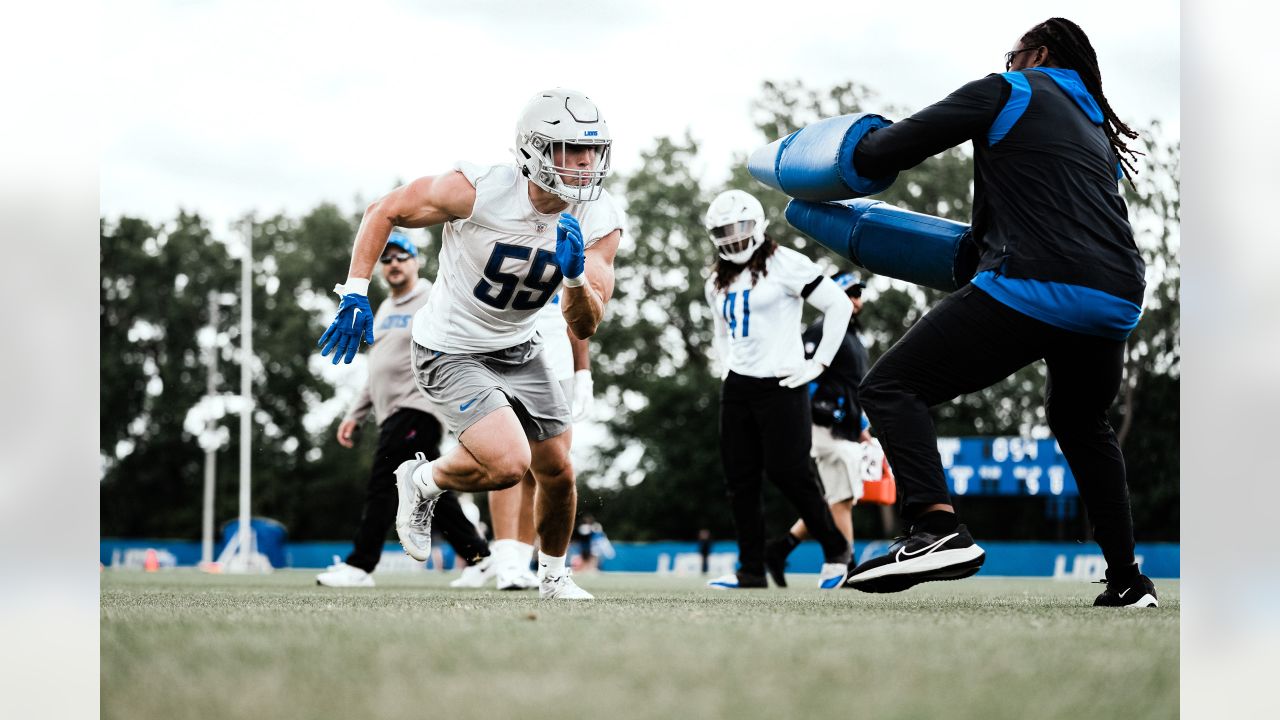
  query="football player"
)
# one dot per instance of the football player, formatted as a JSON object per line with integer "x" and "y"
{"x": 512, "y": 235}
{"x": 757, "y": 292}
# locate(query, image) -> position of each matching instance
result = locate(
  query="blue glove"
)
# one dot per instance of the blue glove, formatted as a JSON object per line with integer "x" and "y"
{"x": 570, "y": 251}
{"x": 353, "y": 324}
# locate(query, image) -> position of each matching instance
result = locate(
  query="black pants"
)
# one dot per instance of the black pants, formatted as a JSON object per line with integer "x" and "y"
{"x": 401, "y": 436}
{"x": 766, "y": 428}
{"x": 969, "y": 342}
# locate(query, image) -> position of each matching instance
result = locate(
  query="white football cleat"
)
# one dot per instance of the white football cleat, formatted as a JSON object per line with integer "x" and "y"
{"x": 475, "y": 576}
{"x": 562, "y": 587}
{"x": 515, "y": 578}
{"x": 344, "y": 575}
{"x": 413, "y": 514}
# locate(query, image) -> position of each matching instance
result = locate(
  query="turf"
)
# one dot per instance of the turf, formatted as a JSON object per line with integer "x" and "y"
{"x": 182, "y": 644}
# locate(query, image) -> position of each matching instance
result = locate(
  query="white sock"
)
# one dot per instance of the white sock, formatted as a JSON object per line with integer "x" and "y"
{"x": 503, "y": 553}
{"x": 552, "y": 566}
{"x": 426, "y": 482}
{"x": 524, "y": 554}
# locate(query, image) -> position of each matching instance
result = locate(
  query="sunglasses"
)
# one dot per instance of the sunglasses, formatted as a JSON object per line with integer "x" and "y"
{"x": 1009, "y": 56}
{"x": 401, "y": 257}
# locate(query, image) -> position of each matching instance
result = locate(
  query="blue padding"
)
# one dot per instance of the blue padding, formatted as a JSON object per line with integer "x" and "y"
{"x": 1019, "y": 98}
{"x": 890, "y": 241}
{"x": 816, "y": 162}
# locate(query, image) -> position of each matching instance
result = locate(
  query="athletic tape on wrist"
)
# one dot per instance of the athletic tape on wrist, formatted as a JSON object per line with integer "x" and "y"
{"x": 353, "y": 285}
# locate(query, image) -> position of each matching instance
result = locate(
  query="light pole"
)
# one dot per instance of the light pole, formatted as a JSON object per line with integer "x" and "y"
{"x": 244, "y": 558}
{"x": 211, "y": 439}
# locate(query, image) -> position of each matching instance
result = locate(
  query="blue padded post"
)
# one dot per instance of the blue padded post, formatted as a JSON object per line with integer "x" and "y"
{"x": 920, "y": 249}
{"x": 816, "y": 162}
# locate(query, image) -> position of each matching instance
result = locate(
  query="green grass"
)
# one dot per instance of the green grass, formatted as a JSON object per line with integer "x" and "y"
{"x": 186, "y": 645}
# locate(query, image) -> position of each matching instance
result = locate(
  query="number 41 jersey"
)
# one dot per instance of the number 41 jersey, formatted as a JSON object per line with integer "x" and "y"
{"x": 497, "y": 267}
{"x": 758, "y": 326}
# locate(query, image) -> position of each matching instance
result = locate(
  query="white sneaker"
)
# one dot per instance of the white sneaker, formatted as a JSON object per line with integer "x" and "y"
{"x": 337, "y": 563}
{"x": 832, "y": 575}
{"x": 413, "y": 514}
{"x": 562, "y": 587}
{"x": 516, "y": 578}
{"x": 475, "y": 576}
{"x": 344, "y": 575}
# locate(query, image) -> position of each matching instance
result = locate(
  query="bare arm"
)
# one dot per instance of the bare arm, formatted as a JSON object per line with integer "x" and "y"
{"x": 581, "y": 351}
{"x": 584, "y": 305}
{"x": 426, "y": 201}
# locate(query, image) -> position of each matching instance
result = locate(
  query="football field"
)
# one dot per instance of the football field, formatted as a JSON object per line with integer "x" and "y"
{"x": 182, "y": 644}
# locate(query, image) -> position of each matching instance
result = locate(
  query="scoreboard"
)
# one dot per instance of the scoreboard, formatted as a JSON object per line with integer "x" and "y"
{"x": 1006, "y": 466}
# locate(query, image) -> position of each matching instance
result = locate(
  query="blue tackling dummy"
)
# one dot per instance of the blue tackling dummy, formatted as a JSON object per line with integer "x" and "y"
{"x": 815, "y": 164}
{"x": 890, "y": 241}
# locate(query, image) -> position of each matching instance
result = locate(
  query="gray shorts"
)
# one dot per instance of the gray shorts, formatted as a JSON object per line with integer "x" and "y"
{"x": 464, "y": 388}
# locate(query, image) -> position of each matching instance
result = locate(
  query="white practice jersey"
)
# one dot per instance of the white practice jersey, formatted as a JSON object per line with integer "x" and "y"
{"x": 759, "y": 326}
{"x": 554, "y": 330}
{"x": 497, "y": 267}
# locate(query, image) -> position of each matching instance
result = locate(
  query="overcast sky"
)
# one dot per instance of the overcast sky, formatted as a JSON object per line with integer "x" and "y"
{"x": 225, "y": 106}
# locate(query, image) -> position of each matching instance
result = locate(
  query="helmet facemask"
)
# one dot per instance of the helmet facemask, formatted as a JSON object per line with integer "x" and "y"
{"x": 737, "y": 242}
{"x": 538, "y": 153}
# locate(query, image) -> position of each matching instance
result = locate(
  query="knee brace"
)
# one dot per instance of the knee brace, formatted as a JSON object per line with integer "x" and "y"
{"x": 920, "y": 249}
{"x": 816, "y": 162}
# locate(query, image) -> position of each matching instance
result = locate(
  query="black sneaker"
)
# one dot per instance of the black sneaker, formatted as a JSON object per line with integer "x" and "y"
{"x": 775, "y": 560}
{"x": 1137, "y": 593}
{"x": 919, "y": 557}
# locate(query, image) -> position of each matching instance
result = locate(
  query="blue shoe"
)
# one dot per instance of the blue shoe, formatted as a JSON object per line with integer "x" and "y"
{"x": 740, "y": 581}
{"x": 832, "y": 575}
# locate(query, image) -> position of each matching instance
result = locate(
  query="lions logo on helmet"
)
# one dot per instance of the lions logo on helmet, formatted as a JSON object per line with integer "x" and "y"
{"x": 553, "y": 122}
{"x": 736, "y": 223}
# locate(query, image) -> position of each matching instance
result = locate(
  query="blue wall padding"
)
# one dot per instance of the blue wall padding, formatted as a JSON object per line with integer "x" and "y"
{"x": 816, "y": 162}
{"x": 920, "y": 249}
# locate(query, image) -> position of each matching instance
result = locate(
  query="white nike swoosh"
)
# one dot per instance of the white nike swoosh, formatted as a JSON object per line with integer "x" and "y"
{"x": 354, "y": 317}
{"x": 926, "y": 549}
{"x": 1126, "y": 590}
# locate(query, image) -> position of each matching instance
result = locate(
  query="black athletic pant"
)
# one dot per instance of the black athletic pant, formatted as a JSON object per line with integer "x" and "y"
{"x": 969, "y": 342}
{"x": 401, "y": 436}
{"x": 765, "y": 427}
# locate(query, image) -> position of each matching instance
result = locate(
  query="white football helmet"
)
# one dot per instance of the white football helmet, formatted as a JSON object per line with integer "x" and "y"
{"x": 736, "y": 223}
{"x": 551, "y": 125}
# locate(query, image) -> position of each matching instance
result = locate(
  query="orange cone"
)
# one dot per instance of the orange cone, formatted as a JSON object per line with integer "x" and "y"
{"x": 152, "y": 561}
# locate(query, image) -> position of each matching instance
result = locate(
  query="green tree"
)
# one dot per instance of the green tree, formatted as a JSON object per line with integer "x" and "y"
{"x": 155, "y": 284}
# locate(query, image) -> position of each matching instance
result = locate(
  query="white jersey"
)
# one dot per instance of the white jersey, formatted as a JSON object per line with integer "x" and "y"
{"x": 554, "y": 330}
{"x": 758, "y": 326}
{"x": 497, "y": 267}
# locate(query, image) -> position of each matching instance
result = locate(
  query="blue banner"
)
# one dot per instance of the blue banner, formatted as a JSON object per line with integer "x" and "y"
{"x": 1078, "y": 561}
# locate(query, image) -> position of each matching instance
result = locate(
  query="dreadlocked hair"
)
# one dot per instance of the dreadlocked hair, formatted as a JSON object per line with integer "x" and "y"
{"x": 725, "y": 271}
{"x": 1070, "y": 48}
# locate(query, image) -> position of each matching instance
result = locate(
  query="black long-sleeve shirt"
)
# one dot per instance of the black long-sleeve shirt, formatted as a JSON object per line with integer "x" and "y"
{"x": 841, "y": 378}
{"x": 1046, "y": 205}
